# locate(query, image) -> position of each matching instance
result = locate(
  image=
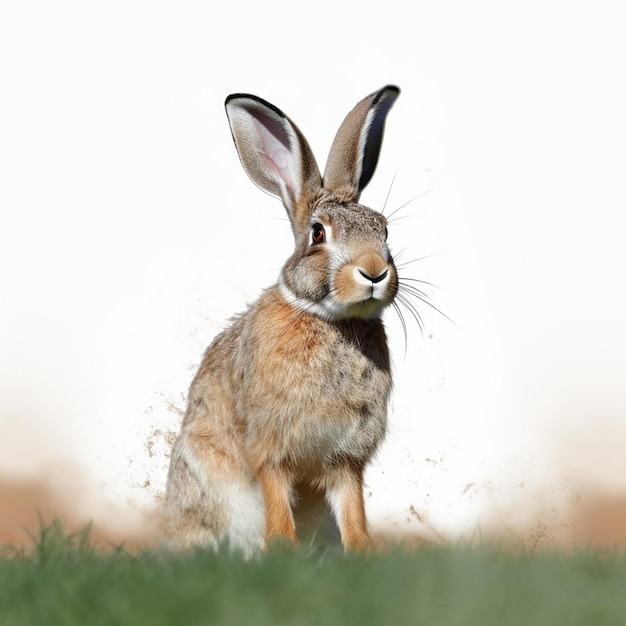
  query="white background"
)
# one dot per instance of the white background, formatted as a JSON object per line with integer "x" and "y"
{"x": 130, "y": 234}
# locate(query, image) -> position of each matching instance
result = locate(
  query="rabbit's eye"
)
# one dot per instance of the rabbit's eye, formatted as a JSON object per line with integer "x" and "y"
{"x": 318, "y": 234}
{"x": 386, "y": 233}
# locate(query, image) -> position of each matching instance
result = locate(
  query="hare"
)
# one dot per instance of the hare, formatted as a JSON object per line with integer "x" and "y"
{"x": 294, "y": 393}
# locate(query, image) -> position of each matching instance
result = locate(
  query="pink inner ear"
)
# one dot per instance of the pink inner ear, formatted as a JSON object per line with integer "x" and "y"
{"x": 277, "y": 157}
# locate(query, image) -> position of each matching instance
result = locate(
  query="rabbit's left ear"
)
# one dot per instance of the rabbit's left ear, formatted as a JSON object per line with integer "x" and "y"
{"x": 274, "y": 153}
{"x": 354, "y": 153}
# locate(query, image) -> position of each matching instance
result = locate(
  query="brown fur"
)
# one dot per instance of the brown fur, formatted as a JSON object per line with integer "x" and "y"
{"x": 291, "y": 400}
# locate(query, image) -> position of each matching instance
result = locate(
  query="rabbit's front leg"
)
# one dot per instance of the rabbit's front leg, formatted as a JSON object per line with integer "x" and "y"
{"x": 344, "y": 492}
{"x": 276, "y": 484}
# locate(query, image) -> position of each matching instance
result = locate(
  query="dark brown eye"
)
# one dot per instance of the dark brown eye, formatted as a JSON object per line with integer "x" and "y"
{"x": 386, "y": 233}
{"x": 318, "y": 234}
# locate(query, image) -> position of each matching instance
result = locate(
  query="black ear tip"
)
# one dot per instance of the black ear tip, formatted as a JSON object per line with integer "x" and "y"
{"x": 252, "y": 102}
{"x": 388, "y": 93}
{"x": 238, "y": 96}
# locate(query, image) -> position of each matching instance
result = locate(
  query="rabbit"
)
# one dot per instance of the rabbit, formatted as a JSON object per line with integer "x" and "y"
{"x": 295, "y": 391}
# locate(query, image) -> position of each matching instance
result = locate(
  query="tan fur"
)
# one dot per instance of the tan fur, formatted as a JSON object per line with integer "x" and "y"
{"x": 291, "y": 399}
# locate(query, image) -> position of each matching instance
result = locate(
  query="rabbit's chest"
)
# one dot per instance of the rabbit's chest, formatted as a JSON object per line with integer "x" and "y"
{"x": 319, "y": 405}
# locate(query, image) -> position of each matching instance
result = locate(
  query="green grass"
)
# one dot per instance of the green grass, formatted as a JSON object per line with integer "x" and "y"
{"x": 64, "y": 580}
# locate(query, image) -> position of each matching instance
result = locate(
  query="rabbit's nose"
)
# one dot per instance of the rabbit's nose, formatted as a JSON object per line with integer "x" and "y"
{"x": 372, "y": 267}
{"x": 374, "y": 279}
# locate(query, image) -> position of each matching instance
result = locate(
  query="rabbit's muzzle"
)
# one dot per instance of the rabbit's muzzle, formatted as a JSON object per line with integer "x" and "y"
{"x": 369, "y": 281}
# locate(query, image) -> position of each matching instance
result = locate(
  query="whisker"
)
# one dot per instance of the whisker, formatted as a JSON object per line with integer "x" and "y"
{"x": 402, "y": 206}
{"x": 422, "y": 258}
{"x": 432, "y": 306}
{"x": 395, "y": 220}
{"x": 410, "y": 307}
{"x": 414, "y": 291}
{"x": 398, "y": 254}
{"x": 282, "y": 218}
{"x": 396, "y": 307}
{"x": 393, "y": 179}
{"x": 417, "y": 280}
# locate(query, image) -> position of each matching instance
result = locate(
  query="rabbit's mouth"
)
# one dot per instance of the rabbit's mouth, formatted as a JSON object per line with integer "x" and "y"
{"x": 367, "y": 309}
{"x": 363, "y": 300}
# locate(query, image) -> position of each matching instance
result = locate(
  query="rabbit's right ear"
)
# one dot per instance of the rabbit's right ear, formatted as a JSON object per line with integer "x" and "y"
{"x": 274, "y": 154}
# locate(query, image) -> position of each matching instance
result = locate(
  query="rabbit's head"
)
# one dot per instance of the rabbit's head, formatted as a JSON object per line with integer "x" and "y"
{"x": 341, "y": 266}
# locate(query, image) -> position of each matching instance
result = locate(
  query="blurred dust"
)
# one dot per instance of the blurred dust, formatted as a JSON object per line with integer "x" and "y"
{"x": 595, "y": 522}
{"x": 576, "y": 522}
{"x": 27, "y": 507}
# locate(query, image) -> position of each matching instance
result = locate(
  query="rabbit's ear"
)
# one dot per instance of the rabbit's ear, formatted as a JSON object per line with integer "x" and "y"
{"x": 274, "y": 153}
{"x": 354, "y": 153}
